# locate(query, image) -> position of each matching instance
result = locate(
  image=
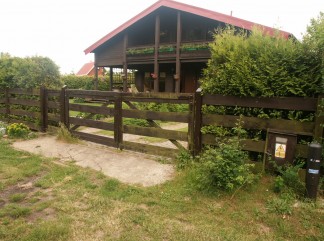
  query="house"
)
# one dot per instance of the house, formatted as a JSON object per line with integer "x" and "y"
{"x": 165, "y": 47}
{"x": 89, "y": 70}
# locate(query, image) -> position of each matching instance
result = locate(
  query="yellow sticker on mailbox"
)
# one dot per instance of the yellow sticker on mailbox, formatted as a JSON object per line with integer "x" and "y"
{"x": 280, "y": 150}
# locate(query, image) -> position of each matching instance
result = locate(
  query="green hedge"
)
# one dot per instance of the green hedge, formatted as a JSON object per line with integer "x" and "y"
{"x": 85, "y": 82}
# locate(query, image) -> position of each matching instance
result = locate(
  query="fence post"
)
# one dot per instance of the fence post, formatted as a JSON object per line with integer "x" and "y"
{"x": 118, "y": 121}
{"x": 319, "y": 119}
{"x": 197, "y": 123}
{"x": 7, "y": 103}
{"x": 63, "y": 106}
{"x": 43, "y": 108}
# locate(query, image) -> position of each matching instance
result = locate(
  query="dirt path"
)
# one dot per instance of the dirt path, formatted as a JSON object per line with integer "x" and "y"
{"x": 128, "y": 167}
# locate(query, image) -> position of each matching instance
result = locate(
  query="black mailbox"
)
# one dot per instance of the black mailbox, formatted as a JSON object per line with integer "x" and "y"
{"x": 281, "y": 148}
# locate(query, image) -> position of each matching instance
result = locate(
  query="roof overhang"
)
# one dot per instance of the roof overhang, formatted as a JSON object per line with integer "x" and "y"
{"x": 241, "y": 23}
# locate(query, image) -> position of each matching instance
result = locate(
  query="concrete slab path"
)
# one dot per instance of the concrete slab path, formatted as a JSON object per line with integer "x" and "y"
{"x": 128, "y": 167}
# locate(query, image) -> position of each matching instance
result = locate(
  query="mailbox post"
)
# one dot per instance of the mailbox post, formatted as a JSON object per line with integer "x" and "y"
{"x": 313, "y": 170}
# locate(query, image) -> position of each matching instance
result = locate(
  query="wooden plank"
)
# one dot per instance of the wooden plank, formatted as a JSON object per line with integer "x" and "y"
{"x": 295, "y": 127}
{"x": 24, "y": 91}
{"x": 91, "y": 123}
{"x": 2, "y": 100}
{"x": 53, "y": 117}
{"x": 94, "y": 138}
{"x": 91, "y": 94}
{"x": 53, "y": 105}
{"x": 157, "y": 100}
{"x": 25, "y": 113}
{"x": 24, "y": 102}
{"x": 92, "y": 109}
{"x": 155, "y": 132}
{"x": 159, "y": 95}
{"x": 154, "y": 115}
{"x": 247, "y": 144}
{"x": 284, "y": 103}
{"x": 150, "y": 149}
{"x": 53, "y": 93}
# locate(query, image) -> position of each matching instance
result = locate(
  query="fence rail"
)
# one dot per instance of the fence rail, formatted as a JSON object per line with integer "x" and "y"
{"x": 40, "y": 108}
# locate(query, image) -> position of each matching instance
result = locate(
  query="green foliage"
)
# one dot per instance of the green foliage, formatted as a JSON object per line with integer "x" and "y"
{"x": 17, "y": 130}
{"x": 135, "y": 122}
{"x": 289, "y": 180}
{"x": 259, "y": 65}
{"x": 163, "y": 107}
{"x": 224, "y": 168}
{"x": 313, "y": 41}
{"x": 184, "y": 160}
{"x": 282, "y": 205}
{"x": 63, "y": 134}
{"x": 29, "y": 72}
{"x": 85, "y": 82}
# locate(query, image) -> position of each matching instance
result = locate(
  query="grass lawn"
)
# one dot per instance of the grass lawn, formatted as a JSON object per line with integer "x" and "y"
{"x": 41, "y": 199}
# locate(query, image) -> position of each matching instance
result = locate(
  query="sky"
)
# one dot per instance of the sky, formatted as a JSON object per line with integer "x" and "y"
{"x": 63, "y": 29}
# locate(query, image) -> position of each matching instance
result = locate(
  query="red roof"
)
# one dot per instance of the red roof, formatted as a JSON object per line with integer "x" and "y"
{"x": 86, "y": 68}
{"x": 189, "y": 9}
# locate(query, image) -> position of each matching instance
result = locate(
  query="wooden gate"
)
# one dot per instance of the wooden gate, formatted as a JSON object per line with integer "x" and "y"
{"x": 110, "y": 113}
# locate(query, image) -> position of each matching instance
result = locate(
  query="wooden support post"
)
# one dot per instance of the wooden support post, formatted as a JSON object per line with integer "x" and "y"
{"x": 7, "y": 103}
{"x": 118, "y": 121}
{"x": 63, "y": 105}
{"x": 156, "y": 53}
{"x": 96, "y": 77}
{"x": 197, "y": 124}
{"x": 111, "y": 78}
{"x": 178, "y": 64}
{"x": 319, "y": 120}
{"x": 44, "y": 108}
{"x": 125, "y": 63}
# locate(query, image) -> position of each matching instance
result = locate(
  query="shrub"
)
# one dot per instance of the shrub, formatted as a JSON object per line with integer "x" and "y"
{"x": 288, "y": 180}
{"x": 184, "y": 160}
{"x": 17, "y": 130}
{"x": 224, "y": 168}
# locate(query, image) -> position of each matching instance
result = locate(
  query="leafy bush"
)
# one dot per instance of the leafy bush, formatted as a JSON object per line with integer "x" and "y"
{"x": 29, "y": 72}
{"x": 289, "y": 180}
{"x": 224, "y": 168}
{"x": 259, "y": 65}
{"x": 184, "y": 160}
{"x": 85, "y": 82}
{"x": 17, "y": 130}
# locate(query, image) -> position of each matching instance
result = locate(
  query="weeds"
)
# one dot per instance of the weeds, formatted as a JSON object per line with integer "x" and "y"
{"x": 63, "y": 134}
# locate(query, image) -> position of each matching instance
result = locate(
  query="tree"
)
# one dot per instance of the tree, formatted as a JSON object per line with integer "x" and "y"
{"x": 313, "y": 41}
{"x": 29, "y": 72}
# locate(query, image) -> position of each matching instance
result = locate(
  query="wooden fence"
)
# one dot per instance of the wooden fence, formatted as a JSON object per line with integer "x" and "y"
{"x": 44, "y": 107}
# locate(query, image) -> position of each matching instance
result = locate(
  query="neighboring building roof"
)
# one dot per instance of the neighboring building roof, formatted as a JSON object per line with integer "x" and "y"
{"x": 86, "y": 69}
{"x": 185, "y": 8}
